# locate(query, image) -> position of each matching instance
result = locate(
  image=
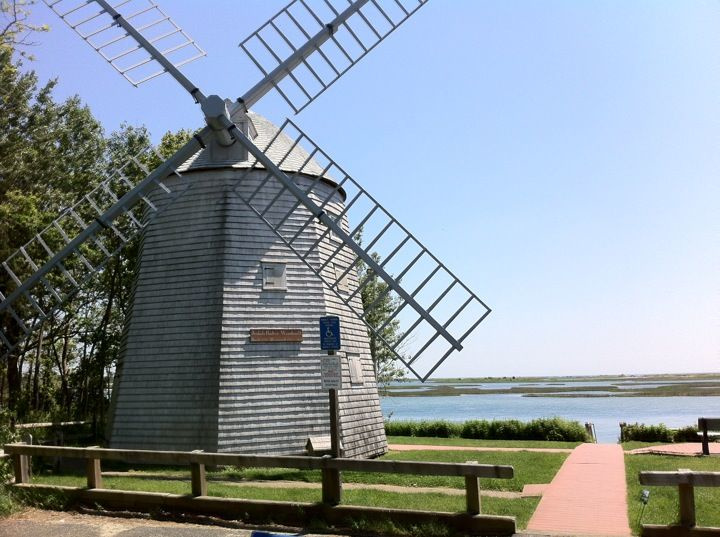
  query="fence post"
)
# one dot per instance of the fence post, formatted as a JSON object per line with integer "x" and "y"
{"x": 94, "y": 474}
{"x": 472, "y": 492}
{"x": 197, "y": 477}
{"x": 687, "y": 503}
{"x": 703, "y": 426}
{"x": 332, "y": 478}
{"x": 331, "y": 485}
{"x": 21, "y": 465}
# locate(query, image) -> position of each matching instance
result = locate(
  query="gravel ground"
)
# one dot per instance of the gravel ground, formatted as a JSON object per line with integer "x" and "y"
{"x": 37, "y": 523}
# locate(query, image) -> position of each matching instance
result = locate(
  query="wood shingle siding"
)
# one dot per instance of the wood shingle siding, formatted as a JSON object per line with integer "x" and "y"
{"x": 189, "y": 376}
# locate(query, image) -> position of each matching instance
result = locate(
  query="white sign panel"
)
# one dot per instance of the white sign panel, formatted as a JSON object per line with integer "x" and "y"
{"x": 331, "y": 373}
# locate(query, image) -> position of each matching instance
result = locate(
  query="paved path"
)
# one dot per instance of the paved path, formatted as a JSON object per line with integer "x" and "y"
{"x": 693, "y": 449}
{"x": 417, "y": 447}
{"x": 588, "y": 496}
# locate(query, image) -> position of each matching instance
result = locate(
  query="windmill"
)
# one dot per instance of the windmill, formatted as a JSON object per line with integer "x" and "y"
{"x": 250, "y": 232}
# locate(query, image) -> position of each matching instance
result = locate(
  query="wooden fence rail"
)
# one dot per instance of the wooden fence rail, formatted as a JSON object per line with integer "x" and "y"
{"x": 331, "y": 486}
{"x": 686, "y": 481}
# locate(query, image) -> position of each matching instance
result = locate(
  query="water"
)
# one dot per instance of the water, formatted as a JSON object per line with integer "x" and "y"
{"x": 605, "y": 412}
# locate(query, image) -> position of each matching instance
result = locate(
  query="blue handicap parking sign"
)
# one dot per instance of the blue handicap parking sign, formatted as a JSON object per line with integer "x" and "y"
{"x": 330, "y": 333}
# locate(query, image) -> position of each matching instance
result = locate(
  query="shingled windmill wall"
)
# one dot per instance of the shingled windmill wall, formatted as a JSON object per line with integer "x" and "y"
{"x": 189, "y": 376}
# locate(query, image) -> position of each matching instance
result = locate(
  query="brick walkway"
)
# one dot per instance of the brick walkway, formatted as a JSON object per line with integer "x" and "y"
{"x": 588, "y": 496}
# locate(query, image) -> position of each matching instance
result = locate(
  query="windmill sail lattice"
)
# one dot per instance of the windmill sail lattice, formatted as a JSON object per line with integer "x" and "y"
{"x": 308, "y": 45}
{"x": 44, "y": 273}
{"x": 437, "y": 310}
{"x": 96, "y": 22}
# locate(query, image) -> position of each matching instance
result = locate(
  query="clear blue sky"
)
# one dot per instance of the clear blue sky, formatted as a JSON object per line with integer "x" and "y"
{"x": 561, "y": 157}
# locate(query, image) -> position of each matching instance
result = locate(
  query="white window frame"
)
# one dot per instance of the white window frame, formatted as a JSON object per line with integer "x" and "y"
{"x": 274, "y": 282}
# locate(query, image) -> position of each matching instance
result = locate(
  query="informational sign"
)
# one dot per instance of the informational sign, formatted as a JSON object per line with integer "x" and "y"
{"x": 275, "y": 335}
{"x": 330, "y": 333}
{"x": 331, "y": 373}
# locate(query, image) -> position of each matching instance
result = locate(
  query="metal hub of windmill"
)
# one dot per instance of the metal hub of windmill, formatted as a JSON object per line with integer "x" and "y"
{"x": 306, "y": 205}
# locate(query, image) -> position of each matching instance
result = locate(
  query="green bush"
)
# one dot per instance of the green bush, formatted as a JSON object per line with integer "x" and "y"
{"x": 438, "y": 429}
{"x": 7, "y": 505}
{"x": 555, "y": 429}
{"x": 686, "y": 434}
{"x": 640, "y": 432}
{"x": 7, "y": 436}
{"x": 400, "y": 428}
{"x": 475, "y": 429}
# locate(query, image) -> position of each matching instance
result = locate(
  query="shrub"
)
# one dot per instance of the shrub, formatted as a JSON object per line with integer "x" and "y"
{"x": 475, "y": 429}
{"x": 400, "y": 428}
{"x": 438, "y": 429}
{"x": 687, "y": 434}
{"x": 645, "y": 433}
{"x": 555, "y": 429}
{"x": 6, "y": 437}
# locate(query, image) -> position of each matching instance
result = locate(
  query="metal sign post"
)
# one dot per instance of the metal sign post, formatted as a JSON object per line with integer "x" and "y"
{"x": 332, "y": 381}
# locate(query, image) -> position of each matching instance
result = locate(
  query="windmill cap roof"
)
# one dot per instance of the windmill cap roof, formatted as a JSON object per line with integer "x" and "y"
{"x": 277, "y": 145}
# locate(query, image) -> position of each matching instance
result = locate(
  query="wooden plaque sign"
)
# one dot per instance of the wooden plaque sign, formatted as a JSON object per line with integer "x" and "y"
{"x": 276, "y": 335}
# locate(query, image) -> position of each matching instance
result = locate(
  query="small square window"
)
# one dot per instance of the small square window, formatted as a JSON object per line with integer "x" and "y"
{"x": 340, "y": 279}
{"x": 356, "y": 371}
{"x": 274, "y": 277}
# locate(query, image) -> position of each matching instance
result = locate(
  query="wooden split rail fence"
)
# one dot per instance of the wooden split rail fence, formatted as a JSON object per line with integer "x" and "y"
{"x": 686, "y": 481}
{"x": 290, "y": 513}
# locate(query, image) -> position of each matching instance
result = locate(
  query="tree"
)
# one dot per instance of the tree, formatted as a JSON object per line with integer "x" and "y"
{"x": 49, "y": 153}
{"x": 379, "y": 303}
{"x": 15, "y": 25}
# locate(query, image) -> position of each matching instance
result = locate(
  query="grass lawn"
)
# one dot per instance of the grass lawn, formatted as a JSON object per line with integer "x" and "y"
{"x": 479, "y": 443}
{"x": 521, "y": 508}
{"x": 663, "y": 507}
{"x": 530, "y": 467}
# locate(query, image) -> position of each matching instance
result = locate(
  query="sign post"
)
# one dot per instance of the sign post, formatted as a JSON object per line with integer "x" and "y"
{"x": 332, "y": 381}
